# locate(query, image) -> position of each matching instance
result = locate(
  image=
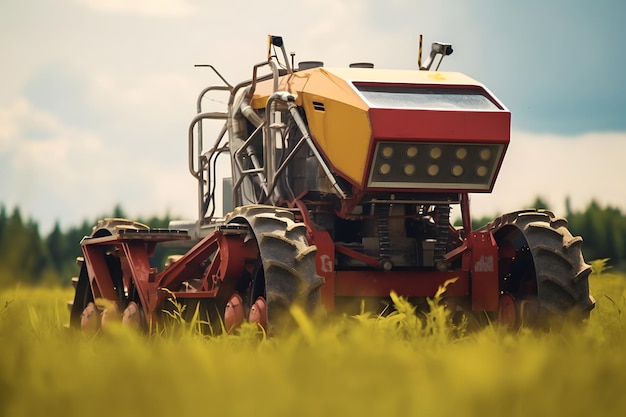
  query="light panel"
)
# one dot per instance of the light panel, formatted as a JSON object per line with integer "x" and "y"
{"x": 447, "y": 166}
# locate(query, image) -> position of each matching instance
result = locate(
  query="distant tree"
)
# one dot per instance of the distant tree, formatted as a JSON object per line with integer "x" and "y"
{"x": 3, "y": 222}
{"x": 24, "y": 257}
{"x": 568, "y": 207}
{"x": 55, "y": 243}
{"x": 478, "y": 222}
{"x": 118, "y": 212}
{"x": 540, "y": 203}
{"x": 603, "y": 230}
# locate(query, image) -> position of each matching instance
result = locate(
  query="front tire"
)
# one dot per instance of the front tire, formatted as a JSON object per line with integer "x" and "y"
{"x": 542, "y": 267}
{"x": 286, "y": 275}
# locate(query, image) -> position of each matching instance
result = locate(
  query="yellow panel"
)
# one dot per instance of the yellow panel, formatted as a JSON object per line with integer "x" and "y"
{"x": 293, "y": 83}
{"x": 342, "y": 130}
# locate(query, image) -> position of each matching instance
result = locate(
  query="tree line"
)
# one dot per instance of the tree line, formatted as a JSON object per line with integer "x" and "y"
{"x": 27, "y": 257}
{"x": 603, "y": 230}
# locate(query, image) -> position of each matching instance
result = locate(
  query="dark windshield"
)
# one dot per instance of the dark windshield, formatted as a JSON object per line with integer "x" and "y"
{"x": 426, "y": 97}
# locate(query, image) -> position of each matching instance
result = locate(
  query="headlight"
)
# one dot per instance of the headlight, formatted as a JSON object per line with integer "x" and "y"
{"x": 458, "y": 166}
{"x": 387, "y": 152}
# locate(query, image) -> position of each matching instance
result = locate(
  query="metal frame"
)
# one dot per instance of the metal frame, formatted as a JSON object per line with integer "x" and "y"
{"x": 217, "y": 262}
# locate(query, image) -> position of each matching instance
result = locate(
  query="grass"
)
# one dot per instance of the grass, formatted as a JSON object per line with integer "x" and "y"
{"x": 362, "y": 366}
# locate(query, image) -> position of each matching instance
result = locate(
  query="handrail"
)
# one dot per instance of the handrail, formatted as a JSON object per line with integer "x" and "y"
{"x": 197, "y": 118}
{"x": 275, "y": 75}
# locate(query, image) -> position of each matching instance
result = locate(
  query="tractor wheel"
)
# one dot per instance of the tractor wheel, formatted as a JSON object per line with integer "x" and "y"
{"x": 543, "y": 275}
{"x": 286, "y": 274}
{"x": 84, "y": 314}
{"x": 82, "y": 296}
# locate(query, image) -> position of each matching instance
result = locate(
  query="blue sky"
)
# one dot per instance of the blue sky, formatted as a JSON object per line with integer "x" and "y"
{"x": 96, "y": 97}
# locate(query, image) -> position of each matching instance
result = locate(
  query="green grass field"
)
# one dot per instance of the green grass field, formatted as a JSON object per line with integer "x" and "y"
{"x": 363, "y": 366}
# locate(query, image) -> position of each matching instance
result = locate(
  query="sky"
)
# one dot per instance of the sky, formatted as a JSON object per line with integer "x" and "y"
{"x": 96, "y": 96}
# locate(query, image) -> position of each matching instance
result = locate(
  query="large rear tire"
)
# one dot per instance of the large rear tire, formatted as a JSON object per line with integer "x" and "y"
{"x": 542, "y": 267}
{"x": 286, "y": 275}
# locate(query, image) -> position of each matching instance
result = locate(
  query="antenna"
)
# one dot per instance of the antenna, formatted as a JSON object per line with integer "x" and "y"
{"x": 437, "y": 48}
{"x": 419, "y": 54}
{"x": 277, "y": 41}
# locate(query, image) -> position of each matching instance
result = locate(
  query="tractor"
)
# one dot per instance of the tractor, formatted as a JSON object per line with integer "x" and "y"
{"x": 341, "y": 189}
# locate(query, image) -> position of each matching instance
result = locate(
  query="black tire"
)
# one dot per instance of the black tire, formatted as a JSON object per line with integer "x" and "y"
{"x": 548, "y": 269}
{"x": 82, "y": 295}
{"x": 288, "y": 275}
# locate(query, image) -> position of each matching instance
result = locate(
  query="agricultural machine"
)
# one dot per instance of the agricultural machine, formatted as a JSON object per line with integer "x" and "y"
{"x": 342, "y": 184}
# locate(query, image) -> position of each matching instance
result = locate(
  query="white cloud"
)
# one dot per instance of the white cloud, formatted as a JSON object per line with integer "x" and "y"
{"x": 18, "y": 120}
{"x": 8, "y": 129}
{"x": 336, "y": 14}
{"x": 157, "y": 93}
{"x": 154, "y": 8}
{"x": 48, "y": 164}
{"x": 60, "y": 172}
{"x": 37, "y": 136}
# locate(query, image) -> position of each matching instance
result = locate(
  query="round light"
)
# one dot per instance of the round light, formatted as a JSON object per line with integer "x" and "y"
{"x": 409, "y": 169}
{"x": 484, "y": 154}
{"x": 435, "y": 152}
{"x": 411, "y": 152}
{"x": 457, "y": 170}
{"x": 461, "y": 153}
{"x": 387, "y": 152}
{"x": 433, "y": 170}
{"x": 481, "y": 171}
{"x": 384, "y": 169}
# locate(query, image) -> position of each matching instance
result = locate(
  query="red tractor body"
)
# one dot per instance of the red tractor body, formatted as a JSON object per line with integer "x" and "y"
{"x": 342, "y": 186}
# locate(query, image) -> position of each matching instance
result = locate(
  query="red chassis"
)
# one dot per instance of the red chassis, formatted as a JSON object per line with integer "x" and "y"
{"x": 208, "y": 275}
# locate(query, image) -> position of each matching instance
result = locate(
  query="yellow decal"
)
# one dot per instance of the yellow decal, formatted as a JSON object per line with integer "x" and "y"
{"x": 437, "y": 76}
